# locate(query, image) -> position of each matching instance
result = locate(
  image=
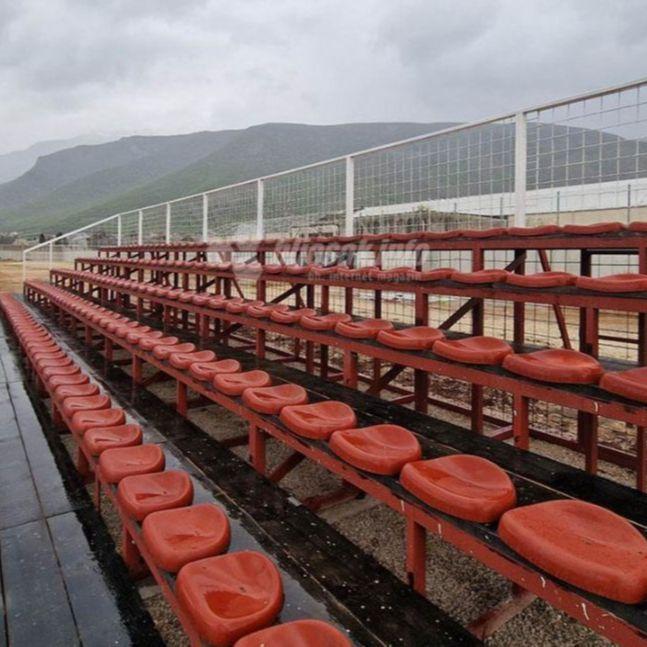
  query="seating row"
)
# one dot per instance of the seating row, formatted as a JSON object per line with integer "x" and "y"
{"x": 578, "y": 542}
{"x": 562, "y": 366}
{"x": 615, "y": 283}
{"x": 227, "y": 597}
{"x": 544, "y": 230}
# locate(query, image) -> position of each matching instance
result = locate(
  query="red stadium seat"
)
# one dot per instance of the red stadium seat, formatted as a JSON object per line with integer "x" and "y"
{"x": 542, "y": 230}
{"x": 318, "y": 420}
{"x": 162, "y": 351}
{"x": 583, "y": 544}
{"x": 363, "y": 329}
{"x": 69, "y": 406}
{"x": 230, "y": 595}
{"x": 265, "y": 310}
{"x": 630, "y": 384}
{"x": 184, "y": 360}
{"x": 614, "y": 283}
{"x": 84, "y": 420}
{"x": 436, "y": 274}
{"x": 465, "y": 486}
{"x": 380, "y": 449}
{"x": 297, "y": 270}
{"x": 142, "y": 494}
{"x": 274, "y": 268}
{"x": 442, "y": 235}
{"x": 637, "y": 225}
{"x": 206, "y": 371}
{"x": 60, "y": 380}
{"x": 480, "y": 277}
{"x": 240, "y": 307}
{"x": 392, "y": 274}
{"x": 74, "y": 391}
{"x": 52, "y": 371}
{"x": 594, "y": 229}
{"x": 148, "y": 342}
{"x": 541, "y": 279}
{"x": 99, "y": 439}
{"x": 291, "y": 316}
{"x": 116, "y": 464}
{"x": 559, "y": 365}
{"x": 415, "y": 338}
{"x": 178, "y": 536}
{"x": 485, "y": 233}
{"x": 323, "y": 322}
{"x": 322, "y": 271}
{"x": 200, "y": 300}
{"x": 235, "y": 383}
{"x": 473, "y": 350}
{"x": 299, "y": 633}
{"x": 271, "y": 399}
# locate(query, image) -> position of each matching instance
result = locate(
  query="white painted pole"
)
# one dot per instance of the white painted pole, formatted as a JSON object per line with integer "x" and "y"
{"x": 50, "y": 260}
{"x": 260, "y": 198}
{"x": 119, "y": 230}
{"x": 350, "y": 196}
{"x": 520, "y": 165}
{"x": 205, "y": 218}
{"x": 168, "y": 223}
{"x": 140, "y": 227}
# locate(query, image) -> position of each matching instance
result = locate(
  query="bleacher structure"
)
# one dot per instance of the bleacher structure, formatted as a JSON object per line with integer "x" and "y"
{"x": 428, "y": 358}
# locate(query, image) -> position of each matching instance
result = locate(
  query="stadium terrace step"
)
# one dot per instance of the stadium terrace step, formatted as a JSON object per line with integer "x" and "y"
{"x": 177, "y": 536}
{"x": 468, "y": 487}
{"x": 559, "y": 365}
{"x": 582, "y": 544}
{"x": 415, "y": 338}
{"x": 271, "y": 399}
{"x": 230, "y": 595}
{"x": 379, "y": 449}
{"x": 144, "y": 493}
{"x": 116, "y": 464}
{"x": 473, "y": 350}
{"x": 318, "y": 420}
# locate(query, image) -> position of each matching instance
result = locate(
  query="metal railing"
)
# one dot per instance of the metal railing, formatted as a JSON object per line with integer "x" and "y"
{"x": 577, "y": 158}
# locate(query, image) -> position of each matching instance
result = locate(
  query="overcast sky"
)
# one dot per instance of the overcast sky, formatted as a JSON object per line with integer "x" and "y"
{"x": 76, "y": 67}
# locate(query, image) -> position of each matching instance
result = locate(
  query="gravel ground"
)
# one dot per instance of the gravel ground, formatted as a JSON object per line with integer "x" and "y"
{"x": 457, "y": 583}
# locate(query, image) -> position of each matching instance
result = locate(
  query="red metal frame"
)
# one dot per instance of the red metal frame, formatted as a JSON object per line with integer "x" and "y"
{"x": 420, "y": 519}
{"x": 589, "y": 407}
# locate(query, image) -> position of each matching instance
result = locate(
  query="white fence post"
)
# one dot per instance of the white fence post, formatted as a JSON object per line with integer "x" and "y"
{"x": 24, "y": 265}
{"x": 168, "y": 223}
{"x": 50, "y": 260}
{"x": 140, "y": 227}
{"x": 260, "y": 198}
{"x": 205, "y": 218}
{"x": 520, "y": 165}
{"x": 119, "y": 230}
{"x": 350, "y": 196}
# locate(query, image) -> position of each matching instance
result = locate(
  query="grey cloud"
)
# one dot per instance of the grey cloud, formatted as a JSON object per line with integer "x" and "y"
{"x": 72, "y": 66}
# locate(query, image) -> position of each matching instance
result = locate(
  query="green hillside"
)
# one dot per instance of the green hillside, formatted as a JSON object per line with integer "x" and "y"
{"x": 74, "y": 187}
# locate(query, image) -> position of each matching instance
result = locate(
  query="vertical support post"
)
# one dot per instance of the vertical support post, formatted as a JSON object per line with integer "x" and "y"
{"x": 140, "y": 227}
{"x": 24, "y": 265}
{"x": 119, "y": 230}
{"x": 520, "y": 161}
{"x": 168, "y": 223}
{"x": 205, "y": 217}
{"x": 260, "y": 199}
{"x": 50, "y": 260}
{"x": 350, "y": 195}
{"x": 416, "y": 557}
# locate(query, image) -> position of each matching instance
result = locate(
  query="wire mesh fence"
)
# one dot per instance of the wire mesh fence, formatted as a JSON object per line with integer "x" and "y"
{"x": 581, "y": 161}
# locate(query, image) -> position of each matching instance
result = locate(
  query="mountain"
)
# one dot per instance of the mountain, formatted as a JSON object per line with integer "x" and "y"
{"x": 76, "y": 186}
{"x": 15, "y": 163}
